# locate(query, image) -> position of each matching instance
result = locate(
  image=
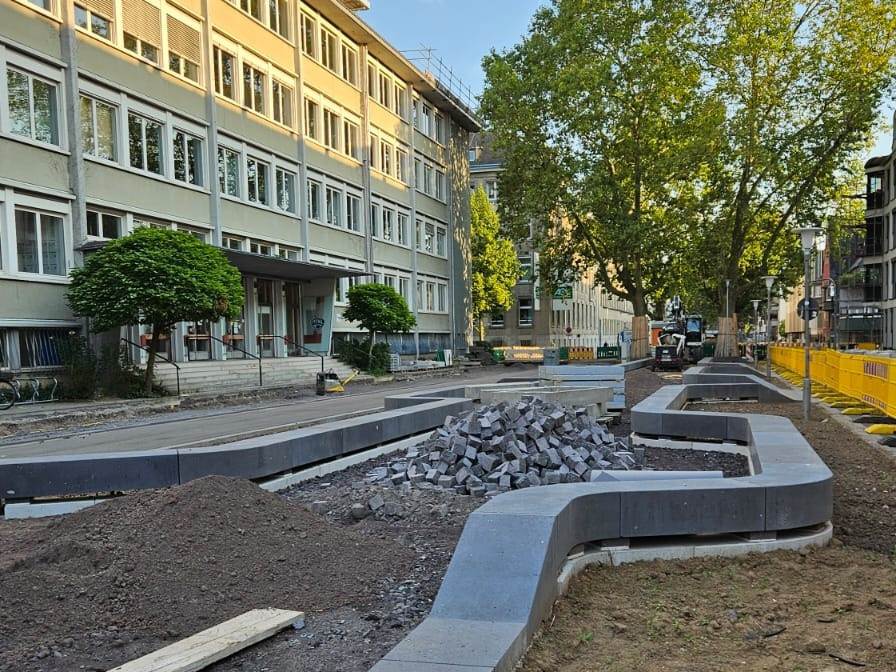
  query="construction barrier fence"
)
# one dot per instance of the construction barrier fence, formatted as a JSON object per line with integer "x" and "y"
{"x": 868, "y": 378}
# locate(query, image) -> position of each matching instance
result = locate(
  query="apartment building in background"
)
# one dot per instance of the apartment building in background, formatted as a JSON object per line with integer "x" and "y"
{"x": 582, "y": 314}
{"x": 287, "y": 133}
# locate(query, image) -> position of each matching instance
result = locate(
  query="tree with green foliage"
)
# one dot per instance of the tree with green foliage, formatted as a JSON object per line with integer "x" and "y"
{"x": 801, "y": 85}
{"x": 378, "y": 308}
{"x": 158, "y": 277}
{"x": 495, "y": 268}
{"x": 601, "y": 115}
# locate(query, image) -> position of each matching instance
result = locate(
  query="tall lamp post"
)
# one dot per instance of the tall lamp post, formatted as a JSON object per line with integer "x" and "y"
{"x": 727, "y": 316}
{"x": 756, "y": 331}
{"x": 807, "y": 241}
{"x": 769, "y": 281}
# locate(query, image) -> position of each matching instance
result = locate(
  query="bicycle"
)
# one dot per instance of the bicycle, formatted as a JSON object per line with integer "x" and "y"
{"x": 9, "y": 392}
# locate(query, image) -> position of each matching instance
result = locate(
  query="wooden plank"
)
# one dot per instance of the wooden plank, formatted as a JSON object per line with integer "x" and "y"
{"x": 209, "y": 646}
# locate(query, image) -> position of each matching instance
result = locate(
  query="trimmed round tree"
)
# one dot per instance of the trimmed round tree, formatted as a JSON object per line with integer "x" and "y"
{"x": 380, "y": 308}
{"x": 158, "y": 277}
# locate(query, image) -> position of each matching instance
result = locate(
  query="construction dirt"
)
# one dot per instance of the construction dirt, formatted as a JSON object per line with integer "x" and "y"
{"x": 94, "y": 589}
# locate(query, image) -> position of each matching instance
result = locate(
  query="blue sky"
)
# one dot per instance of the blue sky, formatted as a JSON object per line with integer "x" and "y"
{"x": 461, "y": 32}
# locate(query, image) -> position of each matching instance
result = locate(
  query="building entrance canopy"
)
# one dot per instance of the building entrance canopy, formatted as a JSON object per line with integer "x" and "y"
{"x": 250, "y": 263}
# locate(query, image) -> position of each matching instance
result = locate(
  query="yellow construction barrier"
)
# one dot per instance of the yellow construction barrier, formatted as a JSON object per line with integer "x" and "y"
{"x": 869, "y": 379}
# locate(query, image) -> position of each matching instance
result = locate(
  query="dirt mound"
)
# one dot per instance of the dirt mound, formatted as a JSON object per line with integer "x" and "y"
{"x": 207, "y": 551}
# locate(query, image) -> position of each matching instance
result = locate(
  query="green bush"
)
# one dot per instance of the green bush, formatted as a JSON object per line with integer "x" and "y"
{"x": 87, "y": 375}
{"x": 354, "y": 353}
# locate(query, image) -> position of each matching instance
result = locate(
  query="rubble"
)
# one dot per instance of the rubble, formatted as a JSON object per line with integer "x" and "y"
{"x": 507, "y": 446}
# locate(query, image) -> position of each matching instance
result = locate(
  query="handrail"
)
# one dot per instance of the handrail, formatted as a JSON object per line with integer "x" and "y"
{"x": 159, "y": 356}
{"x": 289, "y": 341}
{"x": 245, "y": 352}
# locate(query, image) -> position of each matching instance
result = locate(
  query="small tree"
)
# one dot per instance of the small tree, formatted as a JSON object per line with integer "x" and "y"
{"x": 378, "y": 308}
{"x": 496, "y": 268}
{"x": 158, "y": 277}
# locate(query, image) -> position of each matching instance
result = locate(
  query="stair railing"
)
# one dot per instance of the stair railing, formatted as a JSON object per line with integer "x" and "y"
{"x": 158, "y": 356}
{"x": 245, "y": 352}
{"x": 290, "y": 343}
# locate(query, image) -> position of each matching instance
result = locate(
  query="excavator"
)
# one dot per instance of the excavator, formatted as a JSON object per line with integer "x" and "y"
{"x": 680, "y": 341}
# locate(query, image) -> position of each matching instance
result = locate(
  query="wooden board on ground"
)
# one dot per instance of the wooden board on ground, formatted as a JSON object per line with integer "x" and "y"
{"x": 211, "y": 645}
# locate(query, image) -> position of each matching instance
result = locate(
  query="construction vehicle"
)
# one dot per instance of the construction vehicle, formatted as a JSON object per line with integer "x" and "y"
{"x": 680, "y": 338}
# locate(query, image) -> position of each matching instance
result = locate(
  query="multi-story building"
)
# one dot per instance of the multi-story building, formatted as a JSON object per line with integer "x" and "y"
{"x": 582, "y": 314}
{"x": 286, "y": 132}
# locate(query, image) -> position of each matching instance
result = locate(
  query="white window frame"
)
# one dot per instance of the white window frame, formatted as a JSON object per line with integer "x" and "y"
{"x": 91, "y": 144}
{"x": 285, "y": 184}
{"x": 258, "y": 182}
{"x": 35, "y": 71}
{"x": 315, "y": 199}
{"x": 353, "y": 208}
{"x": 226, "y": 183}
{"x": 40, "y": 248}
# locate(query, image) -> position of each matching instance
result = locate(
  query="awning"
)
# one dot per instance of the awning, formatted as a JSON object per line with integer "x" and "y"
{"x": 266, "y": 266}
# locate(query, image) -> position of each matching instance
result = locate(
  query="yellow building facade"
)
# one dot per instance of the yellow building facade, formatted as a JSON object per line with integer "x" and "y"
{"x": 287, "y": 132}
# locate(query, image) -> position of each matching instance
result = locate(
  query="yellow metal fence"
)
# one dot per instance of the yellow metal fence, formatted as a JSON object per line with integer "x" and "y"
{"x": 870, "y": 379}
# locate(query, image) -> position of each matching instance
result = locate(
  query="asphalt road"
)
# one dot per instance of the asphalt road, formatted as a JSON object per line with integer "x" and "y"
{"x": 182, "y": 429}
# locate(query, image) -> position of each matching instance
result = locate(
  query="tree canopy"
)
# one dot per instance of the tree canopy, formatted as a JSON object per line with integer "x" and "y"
{"x": 158, "y": 277}
{"x": 673, "y": 144}
{"x": 378, "y": 308}
{"x": 495, "y": 267}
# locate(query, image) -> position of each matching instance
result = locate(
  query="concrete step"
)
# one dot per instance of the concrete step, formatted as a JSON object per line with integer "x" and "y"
{"x": 213, "y": 375}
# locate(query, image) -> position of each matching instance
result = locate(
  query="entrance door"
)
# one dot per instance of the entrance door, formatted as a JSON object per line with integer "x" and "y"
{"x": 264, "y": 314}
{"x": 293, "y": 319}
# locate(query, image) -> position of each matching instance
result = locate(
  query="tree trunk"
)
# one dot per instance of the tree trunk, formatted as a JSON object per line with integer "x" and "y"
{"x": 151, "y": 359}
{"x": 481, "y": 328}
{"x": 726, "y": 342}
{"x": 370, "y": 351}
{"x": 640, "y": 337}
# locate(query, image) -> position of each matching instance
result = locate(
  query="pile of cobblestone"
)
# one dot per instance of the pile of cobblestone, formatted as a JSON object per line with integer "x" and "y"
{"x": 507, "y": 446}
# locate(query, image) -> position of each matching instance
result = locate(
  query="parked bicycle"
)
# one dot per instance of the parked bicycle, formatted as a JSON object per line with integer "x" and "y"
{"x": 32, "y": 390}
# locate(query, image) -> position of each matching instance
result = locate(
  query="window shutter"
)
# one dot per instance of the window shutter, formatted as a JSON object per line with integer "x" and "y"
{"x": 183, "y": 40}
{"x": 102, "y": 7}
{"x": 143, "y": 20}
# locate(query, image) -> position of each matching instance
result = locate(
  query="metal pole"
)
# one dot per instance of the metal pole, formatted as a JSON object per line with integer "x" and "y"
{"x": 756, "y": 331}
{"x": 728, "y": 336}
{"x": 807, "y": 384}
{"x": 768, "y": 331}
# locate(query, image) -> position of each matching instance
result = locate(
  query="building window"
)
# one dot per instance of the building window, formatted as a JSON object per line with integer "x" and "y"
{"x": 39, "y": 243}
{"x": 440, "y": 185}
{"x": 525, "y": 267}
{"x": 374, "y": 152}
{"x": 187, "y": 151}
{"x": 439, "y": 128}
{"x": 98, "y": 128}
{"x": 329, "y": 50}
{"x": 352, "y": 212}
{"x": 224, "y": 67}
{"x": 92, "y": 22}
{"x": 418, "y": 174}
{"x": 314, "y": 200}
{"x": 232, "y": 243}
{"x": 402, "y": 228}
{"x": 385, "y": 90}
{"x": 261, "y": 248}
{"x": 525, "y": 312}
{"x": 386, "y": 158}
{"x": 308, "y": 36}
{"x": 427, "y": 179}
{"x": 278, "y": 17}
{"x": 334, "y": 206}
{"x": 401, "y": 165}
{"x": 282, "y": 100}
{"x": 184, "y": 49}
{"x": 350, "y": 138}
{"x": 312, "y": 129}
{"x": 404, "y": 288}
{"x": 286, "y": 190}
{"x": 257, "y": 181}
{"x": 441, "y": 298}
{"x": 33, "y": 107}
{"x": 497, "y": 320}
{"x": 145, "y": 143}
{"x": 229, "y": 171}
{"x": 141, "y": 47}
{"x": 388, "y": 224}
{"x": 331, "y": 129}
{"x": 429, "y": 237}
{"x": 253, "y": 88}
{"x": 103, "y": 225}
{"x": 375, "y": 228}
{"x": 441, "y": 241}
{"x": 349, "y": 65}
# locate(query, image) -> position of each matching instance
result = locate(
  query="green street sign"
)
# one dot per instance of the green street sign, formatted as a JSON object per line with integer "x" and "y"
{"x": 563, "y": 293}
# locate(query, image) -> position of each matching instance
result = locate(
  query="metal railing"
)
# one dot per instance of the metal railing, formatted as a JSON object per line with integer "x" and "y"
{"x": 292, "y": 344}
{"x": 158, "y": 356}
{"x": 246, "y": 353}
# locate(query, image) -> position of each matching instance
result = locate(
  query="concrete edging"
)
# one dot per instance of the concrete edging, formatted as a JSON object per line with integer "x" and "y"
{"x": 503, "y": 576}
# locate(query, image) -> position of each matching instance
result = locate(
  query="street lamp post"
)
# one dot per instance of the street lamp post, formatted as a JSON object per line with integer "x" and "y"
{"x": 807, "y": 242}
{"x": 728, "y": 335}
{"x": 756, "y": 331}
{"x": 769, "y": 281}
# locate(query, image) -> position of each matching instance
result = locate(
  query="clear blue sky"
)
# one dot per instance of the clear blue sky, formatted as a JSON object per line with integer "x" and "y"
{"x": 461, "y": 32}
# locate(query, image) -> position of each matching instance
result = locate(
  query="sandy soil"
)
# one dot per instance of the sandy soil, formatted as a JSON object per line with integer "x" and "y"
{"x": 92, "y": 590}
